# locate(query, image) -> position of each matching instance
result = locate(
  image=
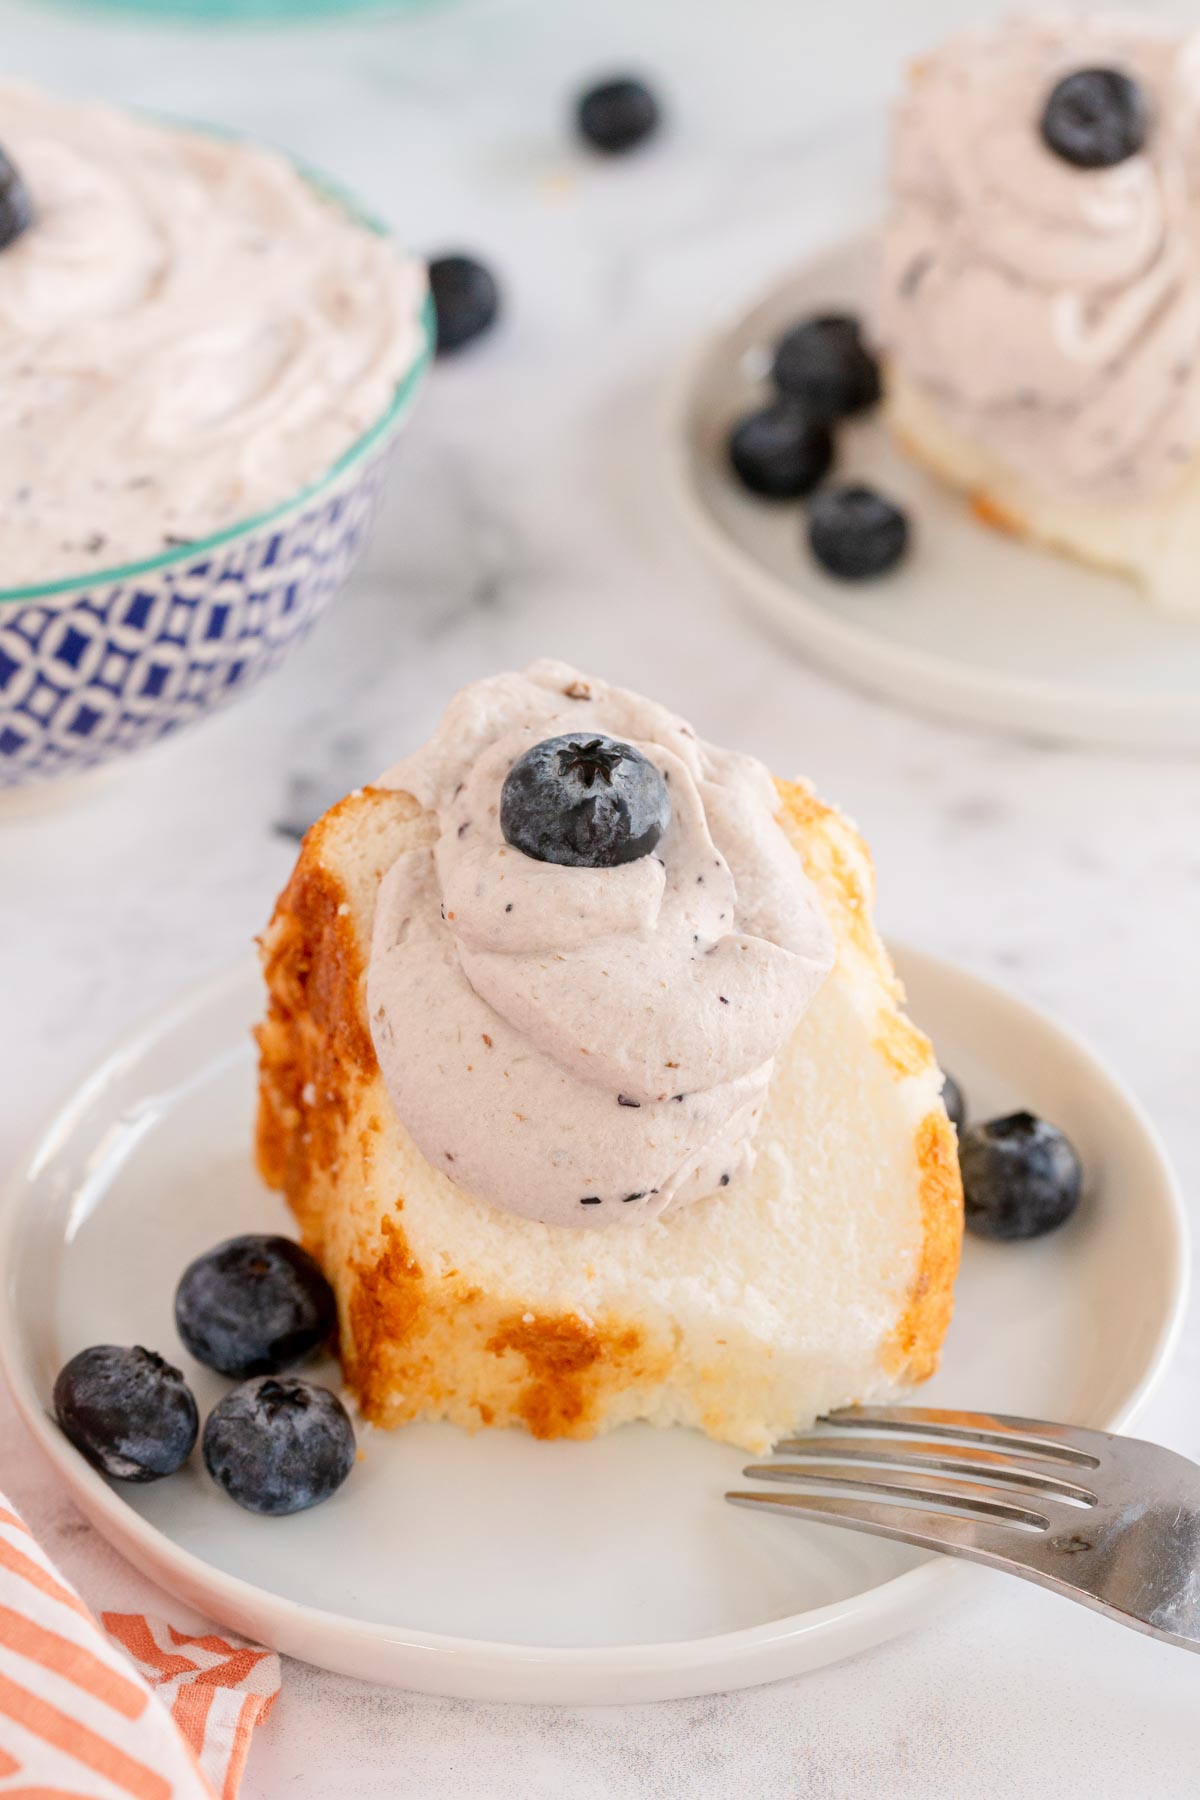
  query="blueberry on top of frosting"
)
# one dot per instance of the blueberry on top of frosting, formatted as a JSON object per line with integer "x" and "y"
{"x": 590, "y": 802}
{"x": 1095, "y": 118}
{"x": 16, "y": 207}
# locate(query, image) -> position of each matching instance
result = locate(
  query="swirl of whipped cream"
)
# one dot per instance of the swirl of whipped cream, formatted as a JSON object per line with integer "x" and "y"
{"x": 1052, "y": 312}
{"x": 189, "y": 334}
{"x": 588, "y": 1046}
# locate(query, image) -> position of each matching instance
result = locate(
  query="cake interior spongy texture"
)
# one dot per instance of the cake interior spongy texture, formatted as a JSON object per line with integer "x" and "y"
{"x": 1155, "y": 542}
{"x": 822, "y": 1278}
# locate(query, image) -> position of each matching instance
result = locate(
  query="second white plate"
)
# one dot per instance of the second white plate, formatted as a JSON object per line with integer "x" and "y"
{"x": 975, "y": 626}
{"x": 494, "y": 1567}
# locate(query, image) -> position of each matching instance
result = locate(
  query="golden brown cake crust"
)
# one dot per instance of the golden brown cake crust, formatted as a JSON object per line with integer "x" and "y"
{"x": 314, "y": 1040}
{"x": 554, "y": 1373}
{"x": 833, "y": 857}
{"x": 414, "y": 1345}
{"x": 915, "y": 1346}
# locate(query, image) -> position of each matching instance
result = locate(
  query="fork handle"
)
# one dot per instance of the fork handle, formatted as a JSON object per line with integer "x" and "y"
{"x": 1061, "y": 1557}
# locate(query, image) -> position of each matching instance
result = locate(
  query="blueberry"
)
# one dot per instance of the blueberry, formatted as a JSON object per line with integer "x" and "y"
{"x": 780, "y": 452}
{"x": 16, "y": 207}
{"x": 1095, "y": 118}
{"x": 1021, "y": 1177}
{"x": 129, "y": 1412}
{"x": 254, "y": 1305}
{"x": 855, "y": 533}
{"x": 279, "y": 1446}
{"x": 588, "y": 802}
{"x": 465, "y": 299}
{"x": 952, "y": 1099}
{"x": 617, "y": 115}
{"x": 824, "y": 364}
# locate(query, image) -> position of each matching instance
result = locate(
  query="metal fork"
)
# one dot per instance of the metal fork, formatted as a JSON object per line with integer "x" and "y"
{"x": 1110, "y": 1521}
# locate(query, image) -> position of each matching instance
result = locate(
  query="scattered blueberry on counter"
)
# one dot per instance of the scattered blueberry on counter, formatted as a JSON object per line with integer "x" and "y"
{"x": 780, "y": 452}
{"x": 466, "y": 300}
{"x": 855, "y": 533}
{"x": 279, "y": 1446}
{"x": 824, "y": 364}
{"x": 128, "y": 1411}
{"x": 954, "y": 1102}
{"x": 617, "y": 115}
{"x": 1095, "y": 118}
{"x": 611, "y": 117}
{"x": 1021, "y": 1177}
{"x": 16, "y": 207}
{"x": 254, "y": 1305}
{"x": 591, "y": 803}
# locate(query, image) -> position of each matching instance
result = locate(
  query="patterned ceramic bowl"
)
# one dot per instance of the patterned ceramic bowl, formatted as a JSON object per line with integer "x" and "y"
{"x": 95, "y": 667}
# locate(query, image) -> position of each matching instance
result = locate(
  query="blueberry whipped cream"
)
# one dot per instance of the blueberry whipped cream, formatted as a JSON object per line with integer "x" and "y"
{"x": 1040, "y": 265}
{"x": 578, "y": 985}
{"x": 189, "y": 334}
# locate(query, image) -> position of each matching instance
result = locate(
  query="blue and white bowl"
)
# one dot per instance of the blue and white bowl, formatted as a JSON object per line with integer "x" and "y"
{"x": 94, "y": 667}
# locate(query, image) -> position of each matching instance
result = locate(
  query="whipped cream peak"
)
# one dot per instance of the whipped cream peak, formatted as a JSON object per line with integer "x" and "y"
{"x": 190, "y": 333}
{"x": 1052, "y": 311}
{"x": 588, "y": 1046}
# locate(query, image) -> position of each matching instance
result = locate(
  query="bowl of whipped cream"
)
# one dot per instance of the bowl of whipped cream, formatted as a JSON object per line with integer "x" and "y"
{"x": 207, "y": 354}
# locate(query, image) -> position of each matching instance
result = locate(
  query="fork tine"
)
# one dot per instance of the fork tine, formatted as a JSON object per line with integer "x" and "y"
{"x": 897, "y": 1484}
{"x": 1032, "y": 1437}
{"x": 1135, "y": 1559}
{"x": 954, "y": 1459}
{"x": 982, "y": 1540}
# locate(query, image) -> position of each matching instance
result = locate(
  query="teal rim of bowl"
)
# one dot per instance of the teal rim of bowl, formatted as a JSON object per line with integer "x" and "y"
{"x": 375, "y": 434}
{"x": 249, "y": 13}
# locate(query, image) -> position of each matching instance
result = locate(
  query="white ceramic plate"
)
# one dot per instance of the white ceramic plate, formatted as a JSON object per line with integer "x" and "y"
{"x": 974, "y": 626}
{"x": 495, "y": 1567}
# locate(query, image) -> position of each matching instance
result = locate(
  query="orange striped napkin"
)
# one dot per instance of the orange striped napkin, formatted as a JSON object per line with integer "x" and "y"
{"x": 80, "y": 1720}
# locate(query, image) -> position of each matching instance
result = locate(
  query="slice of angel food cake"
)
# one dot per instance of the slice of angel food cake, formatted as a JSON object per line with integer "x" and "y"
{"x": 586, "y": 1076}
{"x": 1038, "y": 286}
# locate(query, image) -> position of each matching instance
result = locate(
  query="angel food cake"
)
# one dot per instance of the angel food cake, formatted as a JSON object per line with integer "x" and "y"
{"x": 190, "y": 334}
{"x": 1038, "y": 305}
{"x": 585, "y": 1075}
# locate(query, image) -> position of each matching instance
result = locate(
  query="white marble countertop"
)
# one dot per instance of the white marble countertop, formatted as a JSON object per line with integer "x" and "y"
{"x": 529, "y": 516}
